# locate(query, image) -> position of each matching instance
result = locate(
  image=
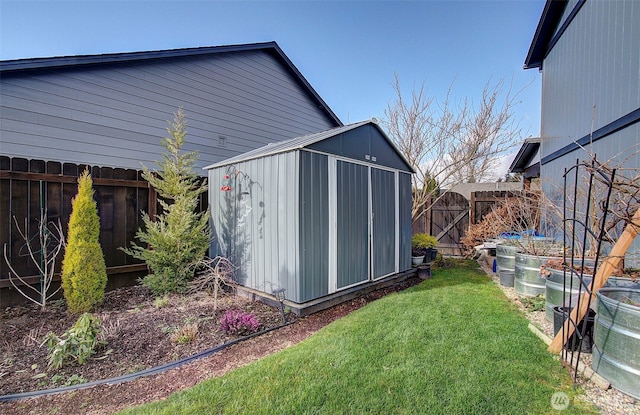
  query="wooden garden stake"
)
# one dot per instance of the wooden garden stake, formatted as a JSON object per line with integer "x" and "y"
{"x": 603, "y": 273}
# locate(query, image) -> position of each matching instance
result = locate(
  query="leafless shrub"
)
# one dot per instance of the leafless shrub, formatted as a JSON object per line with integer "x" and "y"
{"x": 490, "y": 227}
{"x": 215, "y": 274}
{"x": 43, "y": 254}
{"x": 524, "y": 214}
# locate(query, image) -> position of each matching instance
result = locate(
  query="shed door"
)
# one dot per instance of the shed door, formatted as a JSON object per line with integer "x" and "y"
{"x": 352, "y": 220}
{"x": 384, "y": 222}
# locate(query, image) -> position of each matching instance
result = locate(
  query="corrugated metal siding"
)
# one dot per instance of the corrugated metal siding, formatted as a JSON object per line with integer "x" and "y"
{"x": 268, "y": 220}
{"x": 314, "y": 226}
{"x": 383, "y": 200}
{"x": 115, "y": 116}
{"x": 404, "y": 182}
{"x": 595, "y": 63}
{"x": 352, "y": 224}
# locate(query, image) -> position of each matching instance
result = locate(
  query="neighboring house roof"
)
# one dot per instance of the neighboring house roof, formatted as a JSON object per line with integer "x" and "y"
{"x": 26, "y": 66}
{"x": 298, "y": 143}
{"x": 528, "y": 155}
{"x": 546, "y": 34}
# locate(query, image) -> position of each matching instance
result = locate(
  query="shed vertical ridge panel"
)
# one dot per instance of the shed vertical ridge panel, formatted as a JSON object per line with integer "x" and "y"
{"x": 314, "y": 225}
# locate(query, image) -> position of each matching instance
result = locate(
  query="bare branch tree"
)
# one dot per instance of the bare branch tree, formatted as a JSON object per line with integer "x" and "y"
{"x": 43, "y": 255}
{"x": 448, "y": 143}
{"x": 215, "y": 274}
{"x": 489, "y": 131}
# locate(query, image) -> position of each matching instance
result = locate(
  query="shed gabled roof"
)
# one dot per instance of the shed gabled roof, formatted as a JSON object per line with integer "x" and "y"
{"x": 544, "y": 39}
{"x": 301, "y": 142}
{"x": 25, "y": 67}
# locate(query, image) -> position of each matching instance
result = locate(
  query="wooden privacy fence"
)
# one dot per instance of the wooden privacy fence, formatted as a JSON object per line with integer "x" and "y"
{"x": 27, "y": 186}
{"x": 450, "y": 216}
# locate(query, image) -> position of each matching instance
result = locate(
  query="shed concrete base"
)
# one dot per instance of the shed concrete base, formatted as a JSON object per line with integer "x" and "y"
{"x": 322, "y": 303}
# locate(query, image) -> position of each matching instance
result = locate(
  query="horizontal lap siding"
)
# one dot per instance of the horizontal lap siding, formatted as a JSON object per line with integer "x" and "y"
{"x": 115, "y": 116}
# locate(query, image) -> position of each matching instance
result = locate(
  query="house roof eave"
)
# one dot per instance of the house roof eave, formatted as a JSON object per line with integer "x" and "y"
{"x": 529, "y": 149}
{"x": 549, "y": 20}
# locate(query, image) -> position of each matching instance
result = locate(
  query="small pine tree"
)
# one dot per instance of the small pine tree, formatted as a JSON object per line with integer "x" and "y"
{"x": 179, "y": 237}
{"x": 84, "y": 274}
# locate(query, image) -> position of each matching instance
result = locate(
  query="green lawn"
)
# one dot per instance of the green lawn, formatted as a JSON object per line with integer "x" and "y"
{"x": 451, "y": 345}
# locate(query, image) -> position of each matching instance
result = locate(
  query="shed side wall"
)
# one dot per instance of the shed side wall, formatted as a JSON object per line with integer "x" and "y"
{"x": 262, "y": 208}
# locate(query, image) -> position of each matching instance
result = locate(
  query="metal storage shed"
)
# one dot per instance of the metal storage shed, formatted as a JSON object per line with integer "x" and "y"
{"x": 322, "y": 215}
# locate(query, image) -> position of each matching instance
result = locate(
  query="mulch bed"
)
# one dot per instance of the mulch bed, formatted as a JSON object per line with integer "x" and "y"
{"x": 138, "y": 333}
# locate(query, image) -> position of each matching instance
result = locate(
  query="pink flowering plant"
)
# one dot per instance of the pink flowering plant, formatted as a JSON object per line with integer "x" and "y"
{"x": 237, "y": 322}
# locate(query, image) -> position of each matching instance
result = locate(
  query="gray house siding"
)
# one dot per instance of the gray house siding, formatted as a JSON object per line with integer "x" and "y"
{"x": 594, "y": 64}
{"x": 115, "y": 114}
{"x": 590, "y": 88}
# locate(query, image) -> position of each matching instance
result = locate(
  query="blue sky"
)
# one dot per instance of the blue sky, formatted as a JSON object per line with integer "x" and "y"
{"x": 348, "y": 50}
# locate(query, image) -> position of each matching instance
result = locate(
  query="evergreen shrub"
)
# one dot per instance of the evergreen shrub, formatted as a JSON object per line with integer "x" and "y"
{"x": 84, "y": 273}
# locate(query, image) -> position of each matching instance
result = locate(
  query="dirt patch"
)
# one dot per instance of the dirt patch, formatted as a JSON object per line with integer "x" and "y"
{"x": 138, "y": 334}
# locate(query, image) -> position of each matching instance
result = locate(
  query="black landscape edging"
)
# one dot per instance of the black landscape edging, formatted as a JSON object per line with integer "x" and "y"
{"x": 136, "y": 375}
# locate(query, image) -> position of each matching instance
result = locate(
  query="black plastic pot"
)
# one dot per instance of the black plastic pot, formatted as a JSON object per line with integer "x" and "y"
{"x": 424, "y": 271}
{"x": 560, "y": 314}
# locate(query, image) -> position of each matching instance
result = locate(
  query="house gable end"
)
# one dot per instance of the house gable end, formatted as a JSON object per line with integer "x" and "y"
{"x": 112, "y": 113}
{"x": 29, "y": 67}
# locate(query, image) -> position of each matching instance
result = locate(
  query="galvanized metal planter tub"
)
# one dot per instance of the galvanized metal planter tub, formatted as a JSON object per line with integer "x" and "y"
{"x": 506, "y": 257}
{"x": 506, "y": 263}
{"x": 527, "y": 277}
{"x": 616, "y": 348}
{"x": 555, "y": 287}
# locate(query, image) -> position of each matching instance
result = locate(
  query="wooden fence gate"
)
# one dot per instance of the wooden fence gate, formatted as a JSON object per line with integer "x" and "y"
{"x": 450, "y": 216}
